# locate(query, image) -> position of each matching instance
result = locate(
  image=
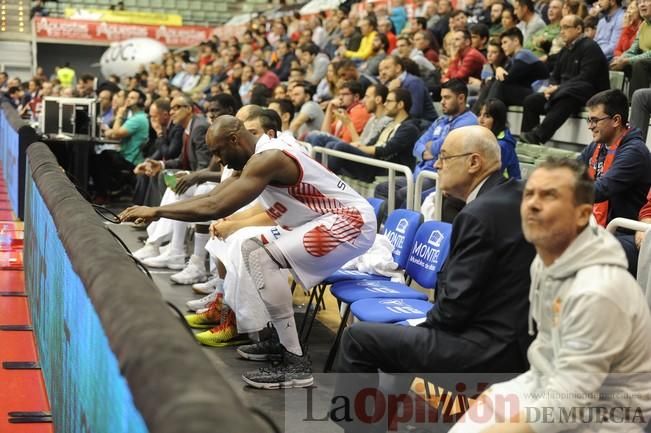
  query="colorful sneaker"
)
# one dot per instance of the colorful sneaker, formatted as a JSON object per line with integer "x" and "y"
{"x": 209, "y": 286}
{"x": 209, "y": 318}
{"x": 194, "y": 272}
{"x": 201, "y": 304}
{"x": 292, "y": 372}
{"x": 148, "y": 251}
{"x": 223, "y": 335}
{"x": 265, "y": 350}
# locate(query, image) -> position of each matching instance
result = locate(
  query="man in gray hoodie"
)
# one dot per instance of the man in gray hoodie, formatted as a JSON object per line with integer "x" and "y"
{"x": 591, "y": 360}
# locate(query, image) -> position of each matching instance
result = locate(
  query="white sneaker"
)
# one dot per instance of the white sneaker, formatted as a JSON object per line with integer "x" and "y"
{"x": 149, "y": 250}
{"x": 194, "y": 272}
{"x": 209, "y": 286}
{"x": 203, "y": 303}
{"x": 166, "y": 260}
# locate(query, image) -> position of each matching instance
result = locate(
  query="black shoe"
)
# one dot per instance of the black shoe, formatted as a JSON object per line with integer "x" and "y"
{"x": 530, "y": 138}
{"x": 265, "y": 350}
{"x": 292, "y": 372}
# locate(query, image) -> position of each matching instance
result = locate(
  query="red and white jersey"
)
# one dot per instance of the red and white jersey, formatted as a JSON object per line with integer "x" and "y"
{"x": 329, "y": 223}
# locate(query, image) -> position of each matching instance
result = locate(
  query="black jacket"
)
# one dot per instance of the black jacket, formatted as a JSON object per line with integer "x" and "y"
{"x": 580, "y": 71}
{"x": 483, "y": 288}
{"x": 626, "y": 184}
{"x": 399, "y": 147}
{"x": 169, "y": 145}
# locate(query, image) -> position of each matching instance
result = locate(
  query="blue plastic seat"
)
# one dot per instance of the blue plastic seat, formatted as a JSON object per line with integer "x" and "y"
{"x": 390, "y": 310}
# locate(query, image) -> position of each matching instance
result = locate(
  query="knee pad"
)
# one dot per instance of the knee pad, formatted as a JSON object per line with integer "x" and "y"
{"x": 252, "y": 262}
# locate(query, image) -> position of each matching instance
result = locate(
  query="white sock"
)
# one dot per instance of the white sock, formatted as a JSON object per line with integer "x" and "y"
{"x": 200, "y": 241}
{"x": 178, "y": 238}
{"x": 288, "y": 335}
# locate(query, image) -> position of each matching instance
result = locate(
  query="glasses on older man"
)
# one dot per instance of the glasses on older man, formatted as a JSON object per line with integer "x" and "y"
{"x": 443, "y": 158}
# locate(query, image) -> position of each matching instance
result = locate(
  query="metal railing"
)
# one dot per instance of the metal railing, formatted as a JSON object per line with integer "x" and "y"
{"x": 438, "y": 195}
{"x": 390, "y": 166}
{"x": 629, "y": 224}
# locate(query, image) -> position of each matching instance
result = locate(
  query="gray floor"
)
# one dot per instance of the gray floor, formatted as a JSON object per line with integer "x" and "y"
{"x": 275, "y": 403}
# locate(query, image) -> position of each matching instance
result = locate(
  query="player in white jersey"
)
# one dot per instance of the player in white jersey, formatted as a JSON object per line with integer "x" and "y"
{"x": 328, "y": 224}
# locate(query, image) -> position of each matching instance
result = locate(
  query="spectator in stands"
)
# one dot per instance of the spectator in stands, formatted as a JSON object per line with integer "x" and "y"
{"x": 398, "y": 15}
{"x": 190, "y": 79}
{"x": 509, "y": 19}
{"x": 590, "y": 26}
{"x": 107, "y": 168}
{"x": 394, "y": 143}
{"x": 495, "y": 58}
{"x": 513, "y": 81}
{"x": 479, "y": 320}
{"x": 632, "y": 21}
{"x": 368, "y": 28}
{"x": 541, "y": 43}
{"x": 479, "y": 36}
{"x": 106, "y": 112}
{"x": 495, "y": 28}
{"x": 265, "y": 83}
{"x": 592, "y": 319}
{"x": 454, "y": 94}
{"x": 425, "y": 42}
{"x": 636, "y": 61}
{"x": 283, "y": 64}
{"x": 394, "y": 75}
{"x": 467, "y": 62}
{"x": 346, "y": 104}
{"x": 13, "y": 96}
{"x": 351, "y": 37}
{"x": 618, "y": 159}
{"x": 247, "y": 81}
{"x": 380, "y": 48}
{"x": 285, "y": 110}
{"x": 405, "y": 50}
{"x": 530, "y": 21}
{"x": 492, "y": 115}
{"x": 86, "y": 86}
{"x": 327, "y": 87}
{"x": 640, "y": 109}
{"x": 66, "y": 75}
{"x": 610, "y": 26}
{"x": 314, "y": 62}
{"x": 309, "y": 115}
{"x": 580, "y": 72}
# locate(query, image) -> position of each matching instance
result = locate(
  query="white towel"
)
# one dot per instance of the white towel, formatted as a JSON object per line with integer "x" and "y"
{"x": 378, "y": 260}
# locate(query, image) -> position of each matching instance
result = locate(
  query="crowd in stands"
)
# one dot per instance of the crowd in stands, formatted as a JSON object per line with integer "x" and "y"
{"x": 367, "y": 82}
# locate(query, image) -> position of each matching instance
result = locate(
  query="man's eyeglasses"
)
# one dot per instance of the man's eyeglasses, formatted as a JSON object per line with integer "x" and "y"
{"x": 444, "y": 158}
{"x": 592, "y": 121}
{"x": 178, "y": 107}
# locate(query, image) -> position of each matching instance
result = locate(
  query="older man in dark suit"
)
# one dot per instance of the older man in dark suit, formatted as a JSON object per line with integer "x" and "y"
{"x": 479, "y": 320}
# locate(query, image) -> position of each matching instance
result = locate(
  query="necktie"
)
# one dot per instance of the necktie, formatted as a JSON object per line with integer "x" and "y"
{"x": 185, "y": 160}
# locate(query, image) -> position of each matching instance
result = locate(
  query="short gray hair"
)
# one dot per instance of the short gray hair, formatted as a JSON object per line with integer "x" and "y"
{"x": 481, "y": 140}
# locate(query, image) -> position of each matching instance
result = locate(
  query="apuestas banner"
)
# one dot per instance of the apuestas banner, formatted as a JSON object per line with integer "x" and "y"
{"x": 101, "y": 33}
{"x": 127, "y": 17}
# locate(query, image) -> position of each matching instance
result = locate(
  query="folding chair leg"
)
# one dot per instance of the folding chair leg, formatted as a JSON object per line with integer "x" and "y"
{"x": 307, "y": 310}
{"x": 335, "y": 346}
{"x": 321, "y": 288}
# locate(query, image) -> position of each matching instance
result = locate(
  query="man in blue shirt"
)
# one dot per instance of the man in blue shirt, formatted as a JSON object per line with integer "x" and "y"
{"x": 394, "y": 75}
{"x": 610, "y": 26}
{"x": 426, "y": 150}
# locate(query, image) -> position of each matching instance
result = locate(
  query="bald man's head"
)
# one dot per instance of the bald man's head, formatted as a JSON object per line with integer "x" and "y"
{"x": 230, "y": 141}
{"x": 468, "y": 156}
{"x": 248, "y": 111}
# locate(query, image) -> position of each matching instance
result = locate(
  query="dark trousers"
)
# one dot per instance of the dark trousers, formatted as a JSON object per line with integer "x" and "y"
{"x": 415, "y": 351}
{"x": 632, "y": 253}
{"x": 510, "y": 94}
{"x": 556, "y": 112}
{"x": 640, "y": 75}
{"x": 149, "y": 190}
{"x": 111, "y": 171}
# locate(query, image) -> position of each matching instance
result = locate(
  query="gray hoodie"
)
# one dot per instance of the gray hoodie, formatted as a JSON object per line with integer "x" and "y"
{"x": 593, "y": 344}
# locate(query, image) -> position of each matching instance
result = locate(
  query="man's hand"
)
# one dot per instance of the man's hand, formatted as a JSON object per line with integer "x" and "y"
{"x": 186, "y": 180}
{"x": 153, "y": 167}
{"x": 639, "y": 238}
{"x": 549, "y": 91}
{"x": 121, "y": 111}
{"x": 157, "y": 127}
{"x": 138, "y": 214}
{"x": 223, "y": 228}
{"x": 394, "y": 84}
{"x": 141, "y": 168}
{"x": 618, "y": 63}
{"x": 500, "y": 73}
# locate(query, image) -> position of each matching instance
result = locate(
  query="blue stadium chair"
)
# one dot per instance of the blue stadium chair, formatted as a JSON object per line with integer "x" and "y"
{"x": 428, "y": 253}
{"x": 401, "y": 227}
{"x": 390, "y": 310}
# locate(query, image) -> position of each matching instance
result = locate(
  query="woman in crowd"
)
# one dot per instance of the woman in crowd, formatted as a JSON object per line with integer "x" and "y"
{"x": 246, "y": 87}
{"x": 509, "y": 20}
{"x": 632, "y": 21}
{"x": 492, "y": 115}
